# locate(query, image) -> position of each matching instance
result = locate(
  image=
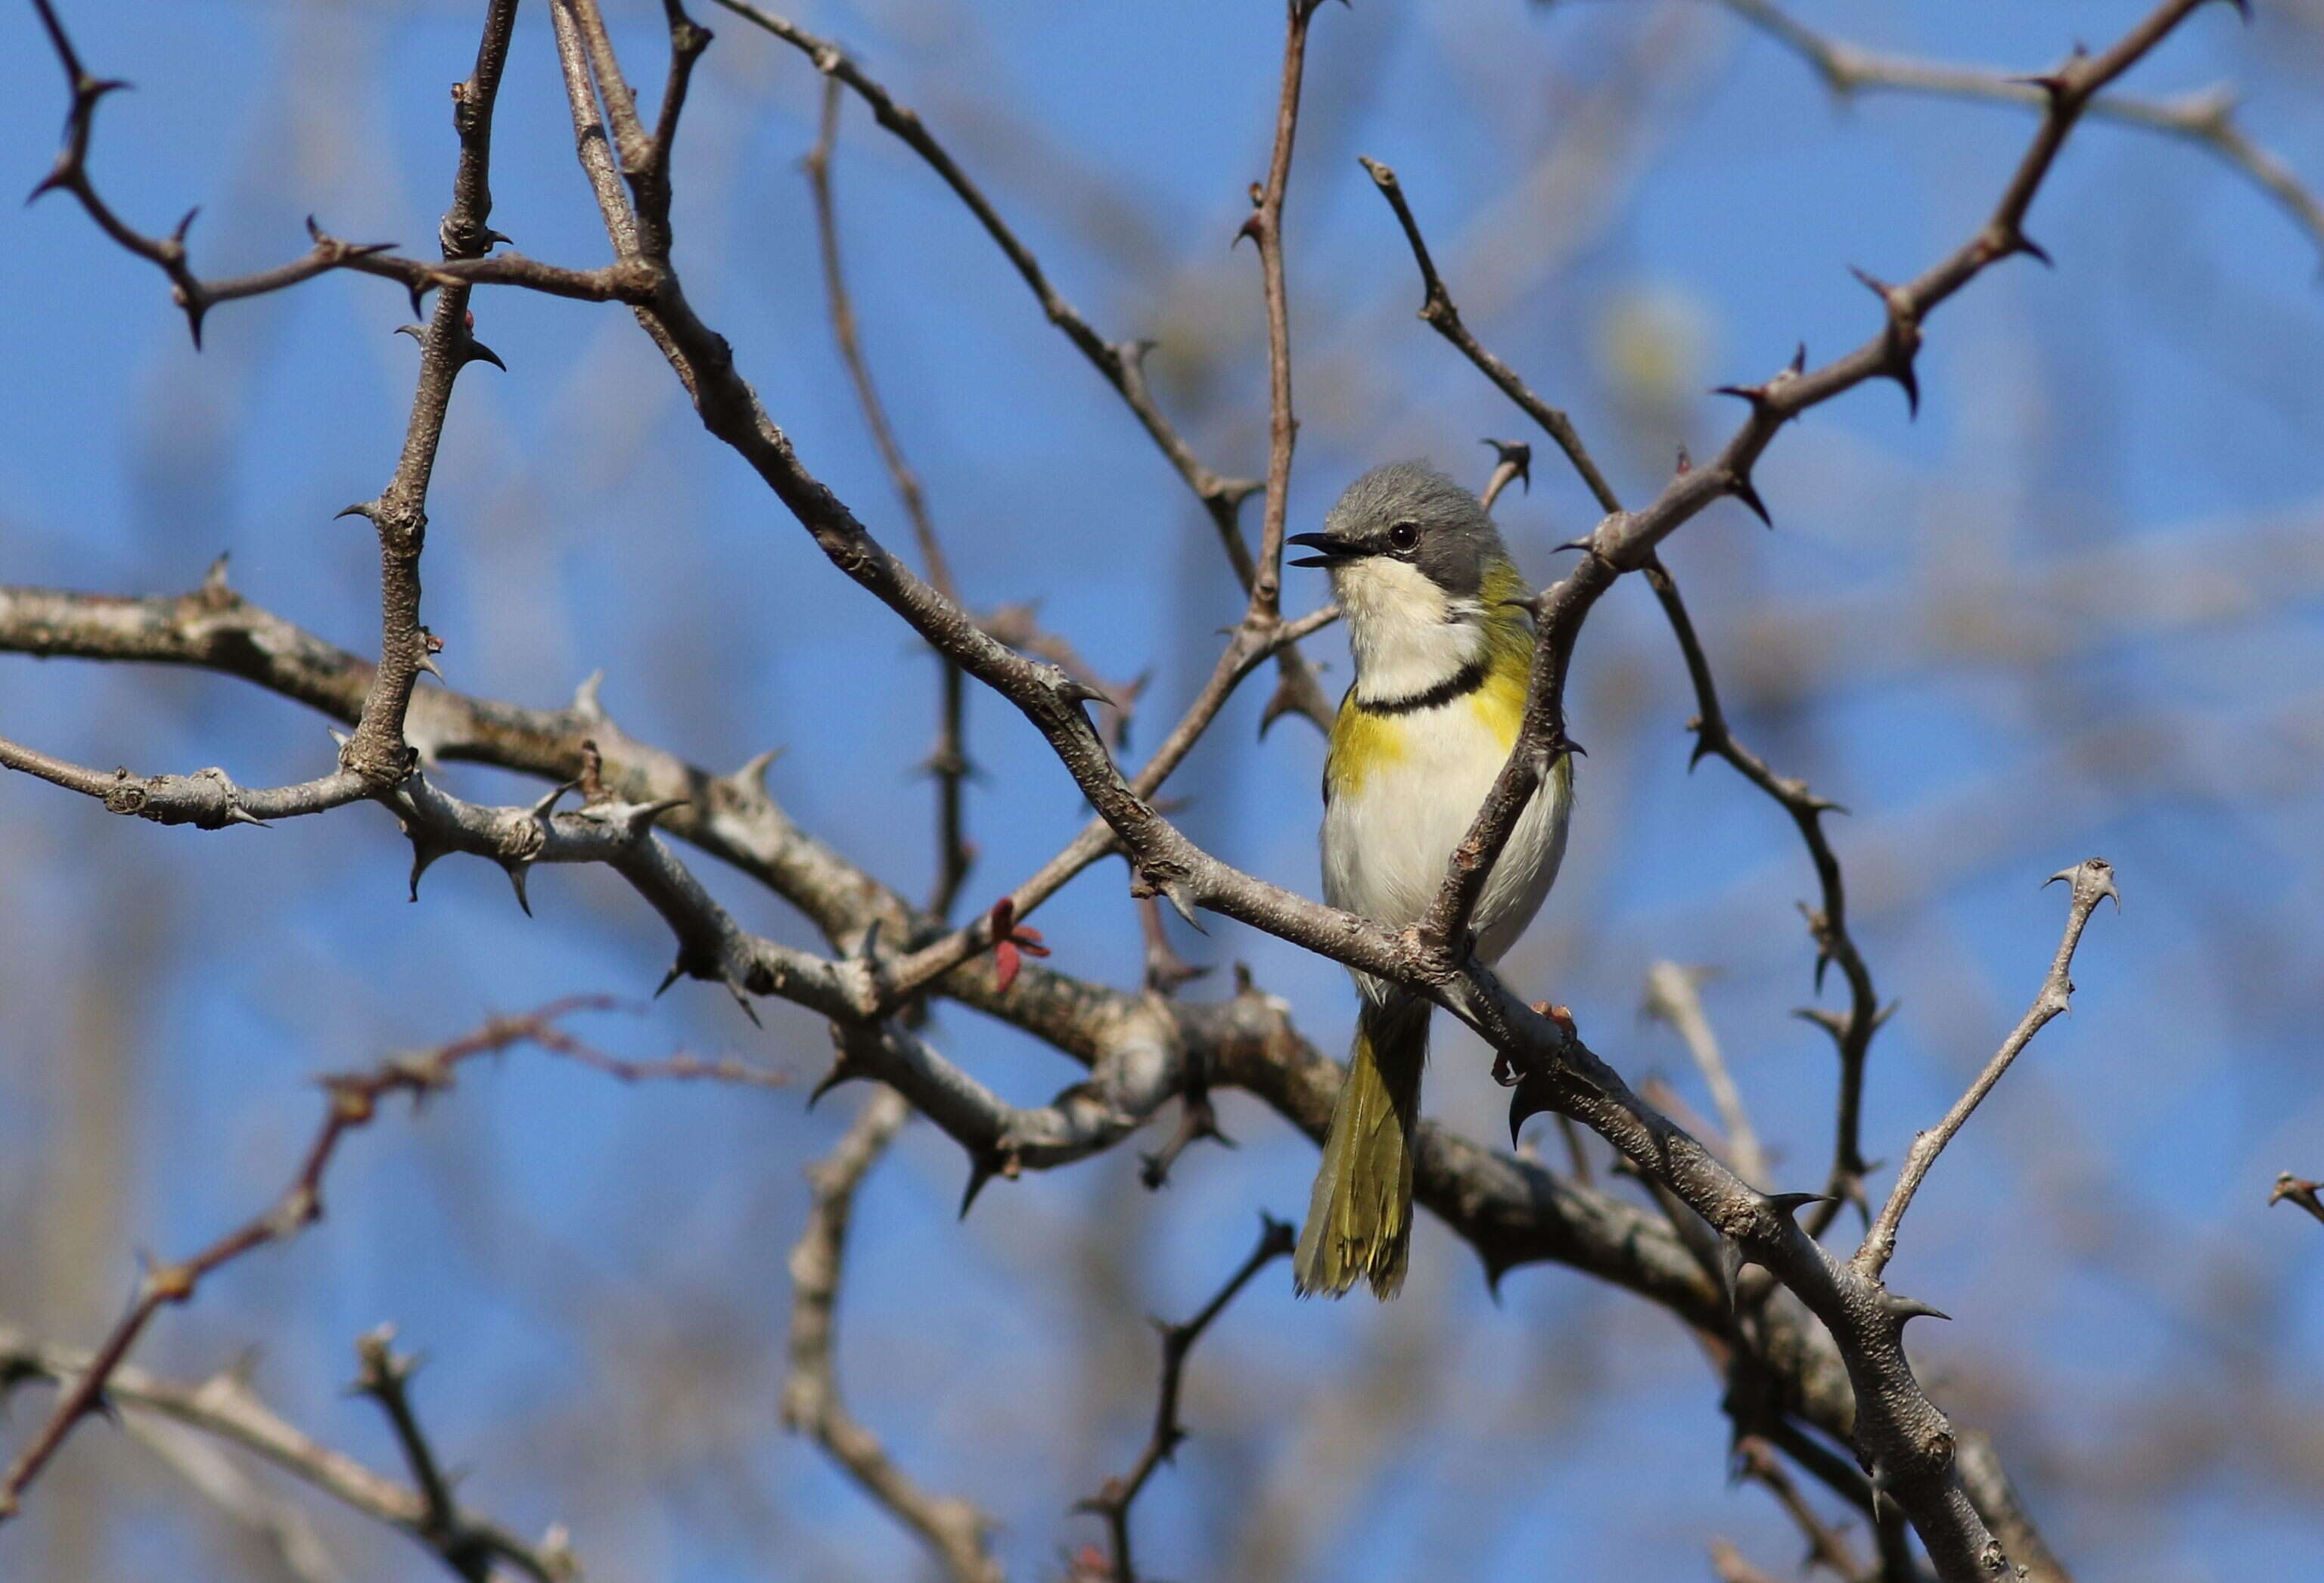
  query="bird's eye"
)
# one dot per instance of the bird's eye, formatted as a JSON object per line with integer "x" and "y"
{"x": 1403, "y": 535}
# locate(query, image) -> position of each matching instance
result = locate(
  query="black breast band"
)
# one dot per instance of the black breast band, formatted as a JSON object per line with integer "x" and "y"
{"x": 1459, "y": 685}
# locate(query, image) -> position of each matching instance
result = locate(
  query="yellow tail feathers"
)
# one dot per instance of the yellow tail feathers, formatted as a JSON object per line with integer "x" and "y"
{"x": 1359, "y": 1214}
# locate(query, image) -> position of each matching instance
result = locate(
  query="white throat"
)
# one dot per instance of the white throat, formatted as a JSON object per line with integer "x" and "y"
{"x": 1409, "y": 635}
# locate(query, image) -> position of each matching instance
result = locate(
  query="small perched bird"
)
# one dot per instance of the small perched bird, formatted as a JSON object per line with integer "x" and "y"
{"x": 1442, "y": 646}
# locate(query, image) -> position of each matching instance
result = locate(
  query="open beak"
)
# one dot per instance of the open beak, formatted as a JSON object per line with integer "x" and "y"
{"x": 1331, "y": 551}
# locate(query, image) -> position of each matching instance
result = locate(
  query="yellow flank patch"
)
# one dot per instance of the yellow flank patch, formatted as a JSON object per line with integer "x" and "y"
{"x": 1500, "y": 704}
{"x": 1509, "y": 649}
{"x": 1361, "y": 743}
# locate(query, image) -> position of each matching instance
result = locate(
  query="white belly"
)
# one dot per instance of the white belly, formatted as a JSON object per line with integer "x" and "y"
{"x": 1388, "y": 840}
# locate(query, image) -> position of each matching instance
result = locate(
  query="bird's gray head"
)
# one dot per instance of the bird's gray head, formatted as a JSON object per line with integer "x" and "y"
{"x": 1408, "y": 513}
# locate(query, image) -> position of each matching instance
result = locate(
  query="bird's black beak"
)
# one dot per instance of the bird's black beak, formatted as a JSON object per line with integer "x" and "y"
{"x": 1331, "y": 552}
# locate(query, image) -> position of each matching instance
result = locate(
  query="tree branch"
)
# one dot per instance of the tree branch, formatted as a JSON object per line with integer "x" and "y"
{"x": 1120, "y": 1493}
{"x": 949, "y": 763}
{"x": 1625, "y": 541}
{"x": 1264, "y": 228}
{"x": 2206, "y": 119}
{"x": 353, "y": 1101}
{"x": 1673, "y": 997}
{"x": 1851, "y": 1031}
{"x": 223, "y": 1406}
{"x": 952, "y": 1528}
{"x": 1120, "y": 363}
{"x": 2092, "y": 881}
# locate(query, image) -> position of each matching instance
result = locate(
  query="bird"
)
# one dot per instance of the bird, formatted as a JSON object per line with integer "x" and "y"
{"x": 1441, "y": 629}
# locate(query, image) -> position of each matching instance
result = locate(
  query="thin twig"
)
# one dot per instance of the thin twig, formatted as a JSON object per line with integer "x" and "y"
{"x": 1121, "y": 363}
{"x": 207, "y": 799}
{"x": 1827, "y": 1546}
{"x": 1851, "y": 1030}
{"x": 2091, "y": 882}
{"x": 385, "y": 1377}
{"x": 224, "y": 1408}
{"x": 1113, "y": 1500}
{"x": 1438, "y": 309}
{"x": 952, "y": 1528}
{"x": 1264, "y": 228}
{"x": 1673, "y": 996}
{"x": 353, "y": 1101}
{"x": 377, "y": 750}
{"x": 2207, "y": 118}
{"x": 948, "y": 764}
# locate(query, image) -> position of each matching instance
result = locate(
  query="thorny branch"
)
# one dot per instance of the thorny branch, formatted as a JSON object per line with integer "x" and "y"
{"x": 1673, "y": 997}
{"x": 1121, "y": 363}
{"x": 384, "y": 1376}
{"x": 1264, "y": 228}
{"x": 1851, "y": 1030}
{"x": 952, "y": 1527}
{"x": 1438, "y": 309}
{"x": 1120, "y": 1493}
{"x": 2092, "y": 881}
{"x": 1904, "y": 1443}
{"x": 196, "y": 297}
{"x": 1625, "y": 540}
{"x": 377, "y": 750}
{"x": 2205, "y": 118}
{"x": 949, "y": 763}
{"x": 225, "y": 1407}
{"x": 352, "y": 1102}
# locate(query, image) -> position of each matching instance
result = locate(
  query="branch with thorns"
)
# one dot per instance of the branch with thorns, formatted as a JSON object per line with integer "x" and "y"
{"x": 1906, "y": 1445}
{"x": 352, "y": 1102}
{"x": 1119, "y": 1492}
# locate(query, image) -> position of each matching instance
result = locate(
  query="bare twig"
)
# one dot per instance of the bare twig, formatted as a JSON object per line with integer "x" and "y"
{"x": 2205, "y": 118}
{"x": 952, "y": 1528}
{"x": 1851, "y": 1030}
{"x": 2092, "y": 881}
{"x": 949, "y": 763}
{"x": 464, "y": 244}
{"x": 224, "y": 1407}
{"x": 1827, "y": 1547}
{"x": 1264, "y": 228}
{"x": 207, "y": 799}
{"x": 385, "y": 1377}
{"x": 1438, "y": 308}
{"x": 1120, "y": 1493}
{"x": 353, "y": 1103}
{"x": 1673, "y": 996}
{"x": 1120, "y": 363}
{"x": 377, "y": 751}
